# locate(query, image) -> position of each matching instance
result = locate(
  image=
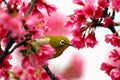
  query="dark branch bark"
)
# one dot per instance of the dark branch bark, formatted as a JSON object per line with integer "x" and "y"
{"x": 6, "y": 51}
{"x": 32, "y": 5}
{"x": 8, "y": 7}
{"x": 52, "y": 76}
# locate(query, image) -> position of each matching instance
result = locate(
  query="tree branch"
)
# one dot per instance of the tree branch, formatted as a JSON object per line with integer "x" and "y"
{"x": 8, "y": 7}
{"x": 18, "y": 45}
{"x": 6, "y": 51}
{"x": 31, "y": 7}
{"x": 52, "y": 76}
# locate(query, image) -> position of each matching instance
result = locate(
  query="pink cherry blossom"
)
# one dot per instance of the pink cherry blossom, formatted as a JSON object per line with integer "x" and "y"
{"x": 79, "y": 2}
{"x": 103, "y": 3}
{"x": 8, "y": 24}
{"x": 4, "y": 74}
{"x": 49, "y": 7}
{"x": 75, "y": 66}
{"x": 108, "y": 22}
{"x": 44, "y": 75}
{"x": 113, "y": 39}
{"x": 79, "y": 17}
{"x": 78, "y": 42}
{"x": 89, "y": 10}
{"x": 115, "y": 74}
{"x": 98, "y": 13}
{"x": 115, "y": 4}
{"x": 107, "y": 68}
{"x": 115, "y": 55}
{"x": 91, "y": 40}
{"x": 55, "y": 26}
{"x": 40, "y": 59}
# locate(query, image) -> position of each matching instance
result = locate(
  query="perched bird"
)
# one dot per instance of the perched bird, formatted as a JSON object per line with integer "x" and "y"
{"x": 59, "y": 43}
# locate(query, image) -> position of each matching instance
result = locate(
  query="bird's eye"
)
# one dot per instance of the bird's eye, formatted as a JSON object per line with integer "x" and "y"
{"x": 62, "y": 42}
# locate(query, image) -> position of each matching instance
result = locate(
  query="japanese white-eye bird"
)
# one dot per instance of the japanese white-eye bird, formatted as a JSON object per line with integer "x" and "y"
{"x": 59, "y": 43}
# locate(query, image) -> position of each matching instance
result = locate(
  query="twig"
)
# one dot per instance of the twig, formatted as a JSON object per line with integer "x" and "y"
{"x": 52, "y": 76}
{"x": 8, "y": 7}
{"x": 113, "y": 30}
{"x": 18, "y": 45}
{"x": 6, "y": 51}
{"x": 113, "y": 15}
{"x": 31, "y": 7}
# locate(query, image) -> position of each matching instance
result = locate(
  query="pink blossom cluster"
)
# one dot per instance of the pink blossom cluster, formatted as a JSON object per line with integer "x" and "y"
{"x": 113, "y": 39}
{"x": 24, "y": 24}
{"x": 112, "y": 68}
{"x": 92, "y": 14}
{"x": 30, "y": 74}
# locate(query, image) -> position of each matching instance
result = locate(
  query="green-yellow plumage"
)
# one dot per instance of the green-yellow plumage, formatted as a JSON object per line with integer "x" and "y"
{"x": 59, "y": 43}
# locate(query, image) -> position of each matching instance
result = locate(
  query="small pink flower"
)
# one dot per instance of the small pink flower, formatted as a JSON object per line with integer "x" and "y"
{"x": 115, "y": 55}
{"x": 78, "y": 42}
{"x": 44, "y": 75}
{"x": 79, "y": 17}
{"x": 115, "y": 4}
{"x": 75, "y": 69}
{"x": 79, "y": 2}
{"x": 18, "y": 71}
{"x": 113, "y": 39}
{"x": 89, "y": 10}
{"x": 108, "y": 22}
{"x": 37, "y": 60}
{"x": 4, "y": 74}
{"x": 106, "y": 67}
{"x": 55, "y": 26}
{"x": 109, "y": 37}
{"x": 103, "y": 3}
{"x": 5, "y": 63}
{"x": 49, "y": 8}
{"x": 115, "y": 74}
{"x": 98, "y": 13}
{"x": 78, "y": 31}
{"x": 26, "y": 62}
{"x": 90, "y": 40}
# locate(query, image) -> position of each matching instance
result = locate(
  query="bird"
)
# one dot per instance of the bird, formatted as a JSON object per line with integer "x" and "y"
{"x": 59, "y": 43}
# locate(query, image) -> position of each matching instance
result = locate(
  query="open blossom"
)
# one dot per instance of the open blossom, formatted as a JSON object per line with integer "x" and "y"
{"x": 103, "y": 3}
{"x": 113, "y": 39}
{"x": 89, "y": 10}
{"x": 107, "y": 68}
{"x": 98, "y": 12}
{"x": 79, "y": 17}
{"x": 79, "y": 2}
{"x": 115, "y": 55}
{"x": 8, "y": 24}
{"x": 78, "y": 42}
{"x": 75, "y": 66}
{"x": 108, "y": 22}
{"x": 115, "y": 4}
{"x": 40, "y": 59}
{"x": 55, "y": 26}
{"x": 5, "y": 66}
{"x": 115, "y": 74}
{"x": 91, "y": 40}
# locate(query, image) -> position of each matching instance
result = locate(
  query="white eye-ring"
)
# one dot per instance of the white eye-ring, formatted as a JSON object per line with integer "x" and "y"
{"x": 62, "y": 42}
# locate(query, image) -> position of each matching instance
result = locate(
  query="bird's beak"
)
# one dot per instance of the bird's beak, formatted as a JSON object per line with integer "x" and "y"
{"x": 69, "y": 44}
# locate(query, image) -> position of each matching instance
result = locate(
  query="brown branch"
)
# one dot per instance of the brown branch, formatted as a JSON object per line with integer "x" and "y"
{"x": 52, "y": 76}
{"x": 6, "y": 51}
{"x": 8, "y": 7}
{"x": 32, "y": 5}
{"x": 18, "y": 45}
